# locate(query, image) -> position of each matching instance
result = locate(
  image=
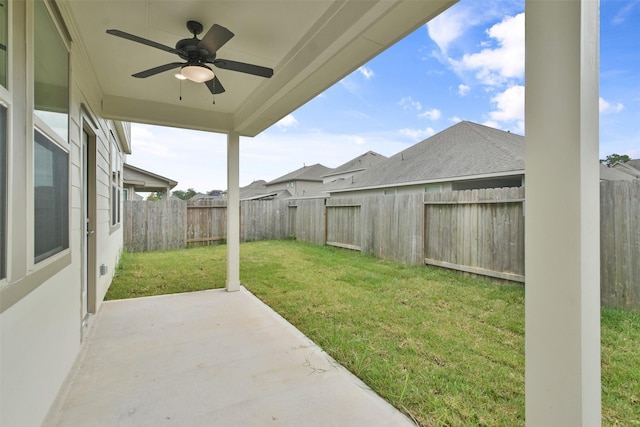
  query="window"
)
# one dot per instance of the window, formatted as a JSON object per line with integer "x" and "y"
{"x": 432, "y": 188}
{"x": 4, "y": 39}
{"x": 3, "y": 192}
{"x": 51, "y": 198}
{"x": 51, "y": 73}
{"x": 115, "y": 182}
{"x": 389, "y": 192}
{"x": 51, "y": 117}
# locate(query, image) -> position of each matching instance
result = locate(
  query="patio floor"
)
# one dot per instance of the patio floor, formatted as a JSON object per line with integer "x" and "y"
{"x": 210, "y": 358}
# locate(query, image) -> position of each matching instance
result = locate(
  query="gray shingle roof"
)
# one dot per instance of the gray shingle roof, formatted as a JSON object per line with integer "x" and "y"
{"x": 254, "y": 189}
{"x": 631, "y": 168}
{"x": 614, "y": 174}
{"x": 363, "y": 161}
{"x": 464, "y": 150}
{"x": 305, "y": 173}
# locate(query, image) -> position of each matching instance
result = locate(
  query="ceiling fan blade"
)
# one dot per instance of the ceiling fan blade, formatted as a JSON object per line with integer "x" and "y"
{"x": 215, "y": 38}
{"x": 256, "y": 70}
{"x": 214, "y": 85}
{"x": 157, "y": 70}
{"x": 137, "y": 39}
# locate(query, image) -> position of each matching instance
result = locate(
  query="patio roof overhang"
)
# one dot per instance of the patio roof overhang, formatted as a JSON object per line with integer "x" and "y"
{"x": 310, "y": 45}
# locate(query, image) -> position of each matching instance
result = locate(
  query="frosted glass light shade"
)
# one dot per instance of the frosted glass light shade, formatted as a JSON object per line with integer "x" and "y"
{"x": 197, "y": 73}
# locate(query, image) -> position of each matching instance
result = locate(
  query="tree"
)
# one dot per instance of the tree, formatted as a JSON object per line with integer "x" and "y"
{"x": 185, "y": 195}
{"x": 154, "y": 197}
{"x": 614, "y": 158}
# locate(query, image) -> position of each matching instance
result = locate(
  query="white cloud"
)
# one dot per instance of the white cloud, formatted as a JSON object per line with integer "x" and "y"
{"x": 358, "y": 140}
{"x": 140, "y": 132}
{"x": 493, "y": 66}
{"x": 287, "y": 122}
{"x": 451, "y": 27}
{"x": 417, "y": 134}
{"x": 350, "y": 85}
{"x": 407, "y": 102}
{"x": 463, "y": 89}
{"x": 448, "y": 26}
{"x": 194, "y": 159}
{"x": 624, "y": 12}
{"x": 510, "y": 109}
{"x": 433, "y": 114}
{"x": 366, "y": 72}
{"x": 608, "y": 108}
{"x": 455, "y": 119}
{"x": 149, "y": 141}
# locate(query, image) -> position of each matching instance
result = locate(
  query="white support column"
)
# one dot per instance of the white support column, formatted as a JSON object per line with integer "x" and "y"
{"x": 562, "y": 231}
{"x": 233, "y": 212}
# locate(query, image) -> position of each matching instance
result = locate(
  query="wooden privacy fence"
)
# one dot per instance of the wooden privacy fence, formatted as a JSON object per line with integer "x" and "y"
{"x": 474, "y": 231}
{"x": 620, "y": 244}
{"x": 176, "y": 224}
{"x": 156, "y": 225}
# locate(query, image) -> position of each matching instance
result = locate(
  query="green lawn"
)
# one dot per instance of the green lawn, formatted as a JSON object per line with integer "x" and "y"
{"x": 446, "y": 349}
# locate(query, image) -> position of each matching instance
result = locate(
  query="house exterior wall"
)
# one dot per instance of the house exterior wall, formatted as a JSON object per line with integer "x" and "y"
{"x": 515, "y": 181}
{"x": 297, "y": 187}
{"x": 41, "y": 316}
{"x": 402, "y": 189}
{"x": 303, "y": 188}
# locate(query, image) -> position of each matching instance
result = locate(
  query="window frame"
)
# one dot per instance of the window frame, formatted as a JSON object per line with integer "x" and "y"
{"x": 6, "y": 100}
{"x": 40, "y": 258}
{"x": 4, "y": 202}
{"x": 39, "y": 124}
{"x": 115, "y": 183}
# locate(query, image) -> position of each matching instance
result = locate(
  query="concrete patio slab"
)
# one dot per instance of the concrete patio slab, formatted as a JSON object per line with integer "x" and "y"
{"x": 210, "y": 358}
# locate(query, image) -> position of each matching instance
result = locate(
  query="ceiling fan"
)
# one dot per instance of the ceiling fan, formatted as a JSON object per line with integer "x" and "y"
{"x": 198, "y": 53}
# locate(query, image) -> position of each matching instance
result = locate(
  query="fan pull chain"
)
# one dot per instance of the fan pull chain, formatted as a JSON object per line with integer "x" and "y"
{"x": 180, "y": 83}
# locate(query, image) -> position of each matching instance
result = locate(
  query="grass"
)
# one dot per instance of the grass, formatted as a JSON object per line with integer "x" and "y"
{"x": 446, "y": 349}
{"x": 143, "y": 274}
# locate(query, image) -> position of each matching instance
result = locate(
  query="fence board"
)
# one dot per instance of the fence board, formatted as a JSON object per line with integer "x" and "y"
{"x": 343, "y": 224}
{"x": 620, "y": 244}
{"x": 206, "y": 222}
{"x": 310, "y": 221}
{"x": 157, "y": 225}
{"x": 476, "y": 231}
{"x": 263, "y": 220}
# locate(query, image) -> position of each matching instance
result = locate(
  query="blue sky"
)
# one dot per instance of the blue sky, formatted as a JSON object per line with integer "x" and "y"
{"x": 467, "y": 64}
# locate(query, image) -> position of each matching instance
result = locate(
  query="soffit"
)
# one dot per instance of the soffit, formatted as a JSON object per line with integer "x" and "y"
{"x": 309, "y": 44}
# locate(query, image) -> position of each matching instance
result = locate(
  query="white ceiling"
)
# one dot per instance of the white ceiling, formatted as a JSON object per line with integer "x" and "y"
{"x": 310, "y": 45}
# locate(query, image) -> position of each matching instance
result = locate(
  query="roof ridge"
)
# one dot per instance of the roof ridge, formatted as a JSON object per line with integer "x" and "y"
{"x": 490, "y": 140}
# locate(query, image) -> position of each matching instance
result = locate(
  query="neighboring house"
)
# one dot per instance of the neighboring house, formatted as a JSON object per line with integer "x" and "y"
{"x": 354, "y": 167}
{"x": 630, "y": 168}
{"x": 204, "y": 198}
{"x": 465, "y": 156}
{"x": 140, "y": 180}
{"x": 257, "y": 190}
{"x": 308, "y": 181}
{"x": 303, "y": 182}
{"x": 617, "y": 173}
